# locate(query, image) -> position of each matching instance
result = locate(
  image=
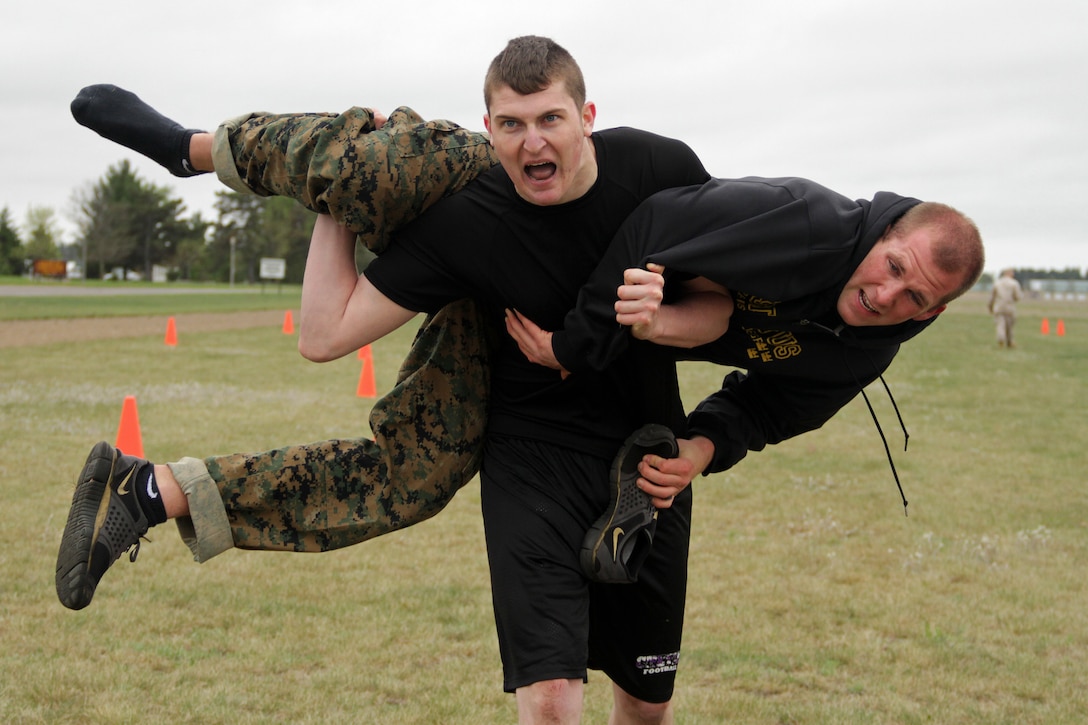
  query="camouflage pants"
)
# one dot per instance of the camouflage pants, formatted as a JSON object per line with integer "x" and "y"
{"x": 428, "y": 435}
{"x": 373, "y": 181}
{"x": 428, "y": 430}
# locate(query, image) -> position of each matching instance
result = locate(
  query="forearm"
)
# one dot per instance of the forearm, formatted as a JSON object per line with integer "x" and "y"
{"x": 327, "y": 287}
{"x": 341, "y": 310}
{"x": 698, "y": 451}
{"x": 699, "y": 315}
{"x": 696, "y": 319}
{"x": 664, "y": 478}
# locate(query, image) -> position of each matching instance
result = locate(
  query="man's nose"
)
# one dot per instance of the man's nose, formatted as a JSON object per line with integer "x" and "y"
{"x": 888, "y": 292}
{"x": 534, "y": 140}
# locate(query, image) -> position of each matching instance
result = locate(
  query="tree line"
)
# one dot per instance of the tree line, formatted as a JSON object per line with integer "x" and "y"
{"x": 123, "y": 221}
{"x": 126, "y": 222}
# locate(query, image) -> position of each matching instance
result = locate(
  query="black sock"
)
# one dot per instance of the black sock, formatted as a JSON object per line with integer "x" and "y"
{"x": 147, "y": 495}
{"x": 120, "y": 116}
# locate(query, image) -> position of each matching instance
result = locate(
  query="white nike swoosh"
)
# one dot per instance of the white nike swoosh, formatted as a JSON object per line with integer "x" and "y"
{"x": 151, "y": 492}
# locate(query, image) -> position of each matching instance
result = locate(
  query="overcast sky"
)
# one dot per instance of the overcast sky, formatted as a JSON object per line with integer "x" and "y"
{"x": 981, "y": 104}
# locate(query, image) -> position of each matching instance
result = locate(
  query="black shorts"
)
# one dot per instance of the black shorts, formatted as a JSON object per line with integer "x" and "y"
{"x": 553, "y": 623}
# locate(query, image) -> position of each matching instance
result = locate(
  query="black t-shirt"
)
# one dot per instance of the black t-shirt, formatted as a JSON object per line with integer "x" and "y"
{"x": 487, "y": 243}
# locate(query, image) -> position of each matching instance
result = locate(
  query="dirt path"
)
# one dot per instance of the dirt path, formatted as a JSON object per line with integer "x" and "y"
{"x": 23, "y": 333}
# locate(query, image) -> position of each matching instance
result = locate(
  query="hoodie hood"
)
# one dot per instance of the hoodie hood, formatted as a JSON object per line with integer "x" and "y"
{"x": 877, "y": 216}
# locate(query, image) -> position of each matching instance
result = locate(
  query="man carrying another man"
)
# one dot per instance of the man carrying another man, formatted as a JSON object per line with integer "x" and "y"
{"x": 537, "y": 228}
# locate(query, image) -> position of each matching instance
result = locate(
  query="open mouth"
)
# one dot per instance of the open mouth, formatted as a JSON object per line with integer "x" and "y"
{"x": 540, "y": 172}
{"x": 865, "y": 302}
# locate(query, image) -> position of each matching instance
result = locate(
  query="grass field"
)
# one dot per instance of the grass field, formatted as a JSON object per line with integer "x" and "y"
{"x": 116, "y": 299}
{"x": 812, "y": 598}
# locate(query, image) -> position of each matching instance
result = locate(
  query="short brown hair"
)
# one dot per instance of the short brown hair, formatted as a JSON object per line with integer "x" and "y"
{"x": 957, "y": 244}
{"x": 530, "y": 64}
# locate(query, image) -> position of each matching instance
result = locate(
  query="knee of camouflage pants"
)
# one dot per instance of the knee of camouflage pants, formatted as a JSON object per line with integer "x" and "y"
{"x": 432, "y": 423}
{"x": 428, "y": 440}
{"x": 371, "y": 180}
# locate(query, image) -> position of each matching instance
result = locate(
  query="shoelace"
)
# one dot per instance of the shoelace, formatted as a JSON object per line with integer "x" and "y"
{"x": 135, "y": 549}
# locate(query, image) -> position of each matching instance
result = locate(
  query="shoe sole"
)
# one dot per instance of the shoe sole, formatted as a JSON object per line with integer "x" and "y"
{"x": 652, "y": 438}
{"x": 90, "y": 502}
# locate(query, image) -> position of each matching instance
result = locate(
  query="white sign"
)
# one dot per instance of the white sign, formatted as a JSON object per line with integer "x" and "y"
{"x": 272, "y": 268}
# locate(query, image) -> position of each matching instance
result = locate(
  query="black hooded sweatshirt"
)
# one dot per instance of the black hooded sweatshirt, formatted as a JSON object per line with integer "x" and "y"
{"x": 785, "y": 248}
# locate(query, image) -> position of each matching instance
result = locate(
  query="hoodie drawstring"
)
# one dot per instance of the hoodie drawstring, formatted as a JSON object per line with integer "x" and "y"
{"x": 884, "y": 440}
{"x": 872, "y": 413}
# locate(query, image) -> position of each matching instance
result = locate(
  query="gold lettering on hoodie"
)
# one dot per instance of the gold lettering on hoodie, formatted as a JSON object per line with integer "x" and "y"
{"x": 750, "y": 303}
{"x": 767, "y": 345}
{"x": 770, "y": 345}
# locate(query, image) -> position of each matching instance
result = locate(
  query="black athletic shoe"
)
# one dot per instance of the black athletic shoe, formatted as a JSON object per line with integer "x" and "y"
{"x": 617, "y": 545}
{"x": 104, "y": 521}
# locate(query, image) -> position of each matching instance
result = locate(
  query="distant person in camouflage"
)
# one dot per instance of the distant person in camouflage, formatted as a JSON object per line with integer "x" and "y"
{"x": 1006, "y": 293}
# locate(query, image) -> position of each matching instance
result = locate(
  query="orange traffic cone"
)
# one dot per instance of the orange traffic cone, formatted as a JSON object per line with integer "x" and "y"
{"x": 288, "y": 323}
{"x": 1045, "y": 329}
{"x": 171, "y": 333}
{"x": 129, "y": 439}
{"x": 367, "y": 388}
{"x": 1061, "y": 328}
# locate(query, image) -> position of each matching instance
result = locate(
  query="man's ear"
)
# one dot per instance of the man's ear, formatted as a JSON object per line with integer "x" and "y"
{"x": 487, "y": 125}
{"x": 930, "y": 314}
{"x": 589, "y": 116}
